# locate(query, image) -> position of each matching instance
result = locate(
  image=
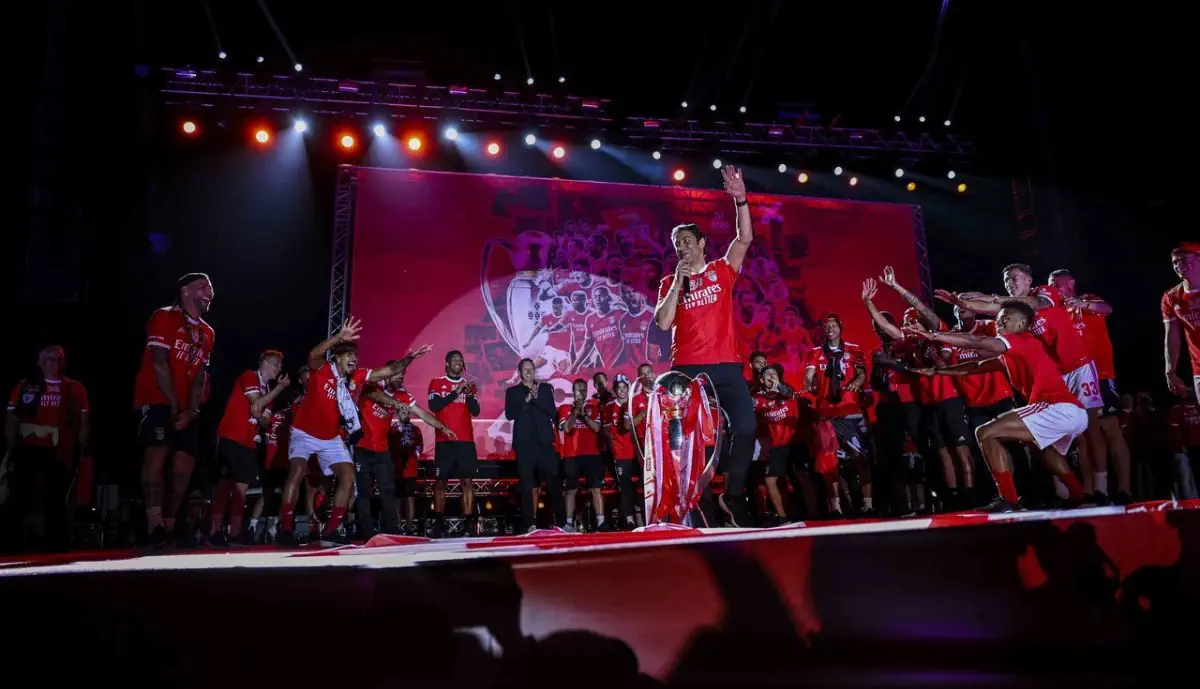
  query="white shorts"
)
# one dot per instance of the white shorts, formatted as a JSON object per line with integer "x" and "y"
{"x": 1084, "y": 382}
{"x": 328, "y": 452}
{"x": 1056, "y": 425}
{"x": 556, "y": 362}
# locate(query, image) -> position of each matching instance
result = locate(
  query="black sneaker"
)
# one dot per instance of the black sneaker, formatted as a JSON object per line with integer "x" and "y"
{"x": 245, "y": 539}
{"x": 335, "y": 539}
{"x": 218, "y": 539}
{"x": 1121, "y": 498}
{"x": 438, "y": 528}
{"x": 736, "y": 511}
{"x": 471, "y": 525}
{"x": 286, "y": 539}
{"x": 1100, "y": 499}
{"x": 1000, "y": 506}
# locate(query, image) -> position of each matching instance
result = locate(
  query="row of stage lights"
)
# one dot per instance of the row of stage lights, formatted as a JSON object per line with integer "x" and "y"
{"x": 415, "y": 142}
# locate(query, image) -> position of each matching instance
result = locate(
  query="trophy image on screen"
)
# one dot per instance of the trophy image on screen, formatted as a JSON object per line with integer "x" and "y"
{"x": 680, "y": 447}
{"x": 508, "y": 281}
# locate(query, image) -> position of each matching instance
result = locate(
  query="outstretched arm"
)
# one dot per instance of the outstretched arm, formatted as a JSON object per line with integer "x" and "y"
{"x": 868, "y": 294}
{"x": 966, "y": 368}
{"x": 1094, "y": 305}
{"x": 927, "y": 314}
{"x": 988, "y": 345}
{"x": 399, "y": 366}
{"x": 349, "y": 333}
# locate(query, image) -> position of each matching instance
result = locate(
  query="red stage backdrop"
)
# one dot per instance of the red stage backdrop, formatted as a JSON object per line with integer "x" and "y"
{"x": 507, "y": 267}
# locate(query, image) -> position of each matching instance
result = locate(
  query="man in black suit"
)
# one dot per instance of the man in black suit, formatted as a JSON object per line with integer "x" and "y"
{"x": 530, "y": 407}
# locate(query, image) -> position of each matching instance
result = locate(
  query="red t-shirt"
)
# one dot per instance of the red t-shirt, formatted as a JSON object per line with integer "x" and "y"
{"x": 1033, "y": 373}
{"x": 277, "y": 438}
{"x": 851, "y": 402}
{"x": 981, "y": 389}
{"x": 904, "y": 386}
{"x": 1057, "y": 331}
{"x": 456, "y": 416}
{"x": 59, "y": 398}
{"x": 377, "y": 418}
{"x": 1180, "y": 305}
{"x": 641, "y": 403}
{"x": 576, "y": 326}
{"x": 237, "y": 425}
{"x": 318, "y": 413}
{"x": 406, "y": 445}
{"x": 777, "y": 417}
{"x": 622, "y": 437}
{"x": 580, "y": 441}
{"x": 1184, "y": 419}
{"x": 189, "y": 343}
{"x": 1094, "y": 329}
{"x": 605, "y": 332}
{"x": 636, "y": 329}
{"x": 558, "y": 335}
{"x": 704, "y": 332}
{"x": 933, "y": 389}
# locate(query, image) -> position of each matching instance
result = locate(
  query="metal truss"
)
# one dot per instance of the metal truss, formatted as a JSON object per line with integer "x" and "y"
{"x": 343, "y": 240}
{"x": 350, "y": 97}
{"x": 740, "y": 137}
{"x": 923, "y": 272}
{"x": 1026, "y": 212}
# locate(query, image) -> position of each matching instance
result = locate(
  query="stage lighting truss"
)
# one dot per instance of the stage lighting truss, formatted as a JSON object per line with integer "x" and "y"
{"x": 343, "y": 231}
{"x": 215, "y": 88}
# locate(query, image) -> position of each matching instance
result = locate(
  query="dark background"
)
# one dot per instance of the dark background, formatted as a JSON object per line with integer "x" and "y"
{"x": 114, "y": 205}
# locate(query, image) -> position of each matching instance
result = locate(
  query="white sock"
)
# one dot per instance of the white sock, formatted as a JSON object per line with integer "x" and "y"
{"x": 599, "y": 521}
{"x": 1100, "y": 479}
{"x": 570, "y": 521}
{"x": 835, "y": 504}
{"x": 868, "y": 504}
{"x": 253, "y": 525}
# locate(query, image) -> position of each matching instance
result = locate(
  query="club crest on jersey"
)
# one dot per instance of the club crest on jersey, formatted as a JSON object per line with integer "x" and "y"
{"x": 195, "y": 336}
{"x": 27, "y": 398}
{"x": 711, "y": 276}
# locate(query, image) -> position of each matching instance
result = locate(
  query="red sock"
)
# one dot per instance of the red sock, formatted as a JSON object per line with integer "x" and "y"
{"x": 1074, "y": 488}
{"x": 1004, "y": 484}
{"x": 287, "y": 516}
{"x": 335, "y": 520}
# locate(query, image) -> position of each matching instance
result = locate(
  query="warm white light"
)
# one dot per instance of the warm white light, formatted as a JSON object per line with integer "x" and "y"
{"x": 854, "y": 181}
{"x": 559, "y": 152}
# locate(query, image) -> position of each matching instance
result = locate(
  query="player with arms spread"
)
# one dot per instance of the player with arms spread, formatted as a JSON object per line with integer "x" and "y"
{"x": 1181, "y": 316}
{"x": 696, "y": 306}
{"x": 1053, "y": 416}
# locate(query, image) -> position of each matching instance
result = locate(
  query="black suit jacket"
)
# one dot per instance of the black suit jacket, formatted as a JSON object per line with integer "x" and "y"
{"x": 533, "y": 422}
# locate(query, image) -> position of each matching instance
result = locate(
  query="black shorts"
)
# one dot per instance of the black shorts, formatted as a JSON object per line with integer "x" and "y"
{"x": 779, "y": 460}
{"x": 945, "y": 424}
{"x": 852, "y": 435}
{"x": 156, "y": 428}
{"x": 977, "y": 416}
{"x": 454, "y": 459}
{"x": 1111, "y": 397}
{"x": 406, "y": 487}
{"x": 589, "y": 466}
{"x": 238, "y": 462}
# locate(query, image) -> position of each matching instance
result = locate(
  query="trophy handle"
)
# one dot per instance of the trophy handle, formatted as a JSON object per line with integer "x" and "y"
{"x": 502, "y": 325}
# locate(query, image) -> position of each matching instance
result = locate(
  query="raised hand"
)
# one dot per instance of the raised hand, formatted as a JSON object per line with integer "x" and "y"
{"x": 283, "y": 381}
{"x": 945, "y": 295}
{"x": 351, "y": 330}
{"x": 889, "y": 277}
{"x": 420, "y": 351}
{"x": 869, "y": 289}
{"x": 735, "y": 184}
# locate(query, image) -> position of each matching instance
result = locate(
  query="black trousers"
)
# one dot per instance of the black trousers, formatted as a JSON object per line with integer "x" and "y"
{"x": 378, "y": 465}
{"x": 39, "y": 485}
{"x": 539, "y": 464}
{"x": 624, "y": 473}
{"x": 734, "y": 396}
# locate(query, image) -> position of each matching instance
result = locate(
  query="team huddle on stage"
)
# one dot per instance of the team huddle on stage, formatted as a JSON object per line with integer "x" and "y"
{"x": 1031, "y": 368}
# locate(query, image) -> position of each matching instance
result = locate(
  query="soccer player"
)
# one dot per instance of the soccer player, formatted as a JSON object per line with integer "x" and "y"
{"x": 1053, "y": 416}
{"x": 329, "y": 409}
{"x": 636, "y": 326}
{"x": 406, "y": 444}
{"x": 696, "y": 305}
{"x": 602, "y": 332}
{"x": 248, "y": 407}
{"x": 579, "y": 423}
{"x": 1181, "y": 316}
{"x": 778, "y": 413}
{"x": 170, "y": 383}
{"x": 454, "y": 401}
{"x": 1090, "y": 314}
{"x": 619, "y": 425}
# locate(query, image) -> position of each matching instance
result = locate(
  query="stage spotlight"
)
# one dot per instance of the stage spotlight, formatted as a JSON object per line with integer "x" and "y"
{"x": 911, "y": 186}
{"x": 222, "y": 55}
{"x": 896, "y": 118}
{"x": 496, "y": 76}
{"x": 921, "y": 119}
{"x": 679, "y": 175}
{"x": 189, "y": 127}
{"x": 262, "y": 136}
{"x": 562, "y": 80}
{"x": 854, "y": 181}
{"x": 899, "y": 172}
{"x": 782, "y": 168}
{"x": 414, "y": 143}
{"x": 712, "y": 108}
{"x": 260, "y": 59}
{"x": 837, "y": 170}
{"x": 299, "y": 67}
{"x": 716, "y": 163}
{"x": 683, "y": 104}
{"x": 742, "y": 110}
{"x": 347, "y": 141}
{"x": 450, "y": 133}
{"x": 529, "y": 81}
{"x": 950, "y": 175}
{"x": 493, "y": 149}
{"x": 595, "y": 144}
{"x": 656, "y": 155}
{"x": 559, "y": 152}
{"x": 962, "y": 187}
{"x": 530, "y": 139}
{"x": 946, "y": 123}
{"x": 379, "y": 130}
{"x": 300, "y": 126}
{"x": 802, "y": 178}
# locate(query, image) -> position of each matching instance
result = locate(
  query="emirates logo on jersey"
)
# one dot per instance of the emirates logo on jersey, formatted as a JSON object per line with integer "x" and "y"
{"x": 1039, "y": 326}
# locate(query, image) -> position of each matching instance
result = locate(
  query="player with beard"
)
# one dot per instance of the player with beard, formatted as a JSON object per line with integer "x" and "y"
{"x": 454, "y": 400}
{"x": 1181, "y": 316}
{"x": 620, "y": 427}
{"x": 1090, "y": 314}
{"x": 1053, "y": 416}
{"x": 636, "y": 326}
{"x": 696, "y": 305}
{"x": 602, "y": 332}
{"x": 1054, "y": 327}
{"x": 170, "y": 384}
{"x": 329, "y": 410}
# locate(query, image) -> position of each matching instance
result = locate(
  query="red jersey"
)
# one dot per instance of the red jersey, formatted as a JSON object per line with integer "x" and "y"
{"x": 1033, "y": 373}
{"x": 980, "y": 389}
{"x": 622, "y": 437}
{"x": 636, "y": 331}
{"x": 406, "y": 445}
{"x": 318, "y": 414}
{"x": 933, "y": 389}
{"x": 1056, "y": 330}
{"x": 850, "y": 402}
{"x": 1183, "y": 306}
{"x": 641, "y": 403}
{"x": 704, "y": 331}
{"x": 605, "y": 331}
{"x": 1184, "y": 419}
{"x": 777, "y": 417}
{"x": 377, "y": 418}
{"x": 237, "y": 424}
{"x": 456, "y": 415}
{"x": 904, "y": 386}
{"x": 580, "y": 441}
{"x": 59, "y": 401}
{"x": 275, "y": 443}
{"x": 188, "y": 342}
{"x": 1094, "y": 329}
{"x": 576, "y": 325}
{"x": 558, "y": 334}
